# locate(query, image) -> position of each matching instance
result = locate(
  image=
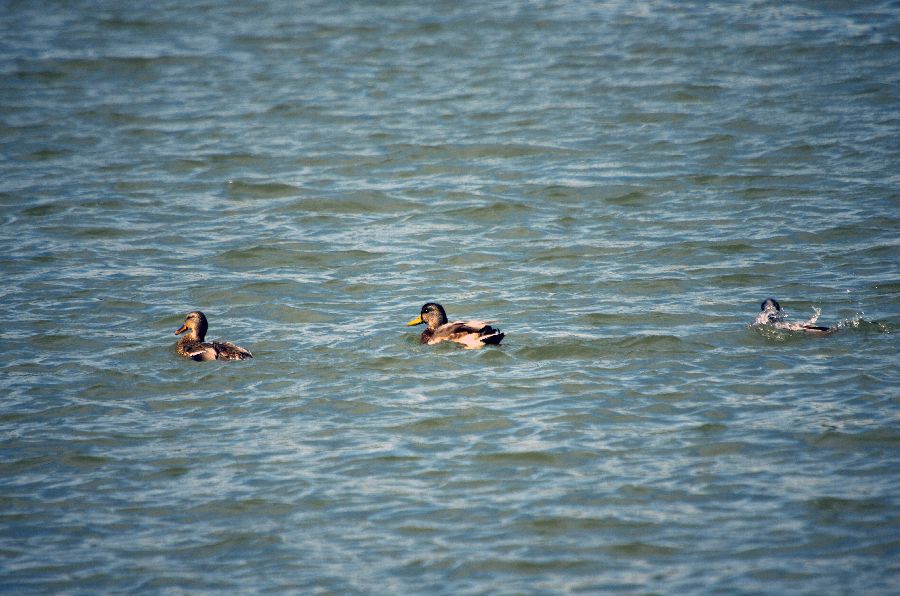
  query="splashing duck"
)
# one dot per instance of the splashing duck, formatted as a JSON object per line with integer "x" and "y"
{"x": 770, "y": 313}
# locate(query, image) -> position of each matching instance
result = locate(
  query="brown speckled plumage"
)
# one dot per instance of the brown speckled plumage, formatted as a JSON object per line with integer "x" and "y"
{"x": 471, "y": 334}
{"x": 192, "y": 346}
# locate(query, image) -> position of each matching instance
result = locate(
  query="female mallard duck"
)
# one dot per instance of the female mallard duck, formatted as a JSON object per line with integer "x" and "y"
{"x": 192, "y": 344}
{"x": 770, "y": 313}
{"x": 471, "y": 334}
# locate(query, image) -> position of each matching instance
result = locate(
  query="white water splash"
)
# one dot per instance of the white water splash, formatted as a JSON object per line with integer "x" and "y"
{"x": 775, "y": 319}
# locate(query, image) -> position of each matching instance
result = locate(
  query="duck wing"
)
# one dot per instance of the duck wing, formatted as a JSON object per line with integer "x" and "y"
{"x": 472, "y": 334}
{"x": 225, "y": 350}
{"x": 201, "y": 352}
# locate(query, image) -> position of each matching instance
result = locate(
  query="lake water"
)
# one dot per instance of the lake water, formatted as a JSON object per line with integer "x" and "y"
{"x": 617, "y": 184}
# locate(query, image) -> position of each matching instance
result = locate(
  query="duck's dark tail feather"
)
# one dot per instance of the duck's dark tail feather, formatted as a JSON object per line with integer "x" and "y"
{"x": 491, "y": 335}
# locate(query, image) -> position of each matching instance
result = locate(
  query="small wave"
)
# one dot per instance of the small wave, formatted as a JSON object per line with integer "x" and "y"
{"x": 496, "y": 211}
{"x": 733, "y": 247}
{"x": 486, "y": 150}
{"x": 293, "y": 315}
{"x": 47, "y": 154}
{"x": 523, "y": 458}
{"x": 46, "y": 209}
{"x": 290, "y": 255}
{"x": 776, "y": 334}
{"x": 643, "y": 549}
{"x": 130, "y": 24}
{"x": 607, "y": 348}
{"x": 657, "y": 319}
{"x": 575, "y": 349}
{"x": 367, "y": 202}
{"x": 858, "y": 323}
{"x": 633, "y": 198}
{"x": 615, "y": 194}
{"x": 716, "y": 139}
{"x": 260, "y": 190}
{"x": 561, "y": 524}
{"x": 648, "y": 344}
{"x": 878, "y": 437}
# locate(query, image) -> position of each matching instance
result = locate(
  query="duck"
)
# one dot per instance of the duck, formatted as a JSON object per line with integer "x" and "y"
{"x": 471, "y": 334}
{"x": 192, "y": 345}
{"x": 770, "y": 313}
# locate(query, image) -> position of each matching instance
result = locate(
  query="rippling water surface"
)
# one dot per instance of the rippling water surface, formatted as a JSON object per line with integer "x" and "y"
{"x": 617, "y": 184}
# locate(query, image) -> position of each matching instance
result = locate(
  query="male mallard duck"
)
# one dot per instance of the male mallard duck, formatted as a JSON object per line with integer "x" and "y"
{"x": 770, "y": 313}
{"x": 472, "y": 334}
{"x": 192, "y": 344}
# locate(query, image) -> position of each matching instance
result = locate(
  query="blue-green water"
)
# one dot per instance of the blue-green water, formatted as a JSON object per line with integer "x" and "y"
{"x": 617, "y": 184}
